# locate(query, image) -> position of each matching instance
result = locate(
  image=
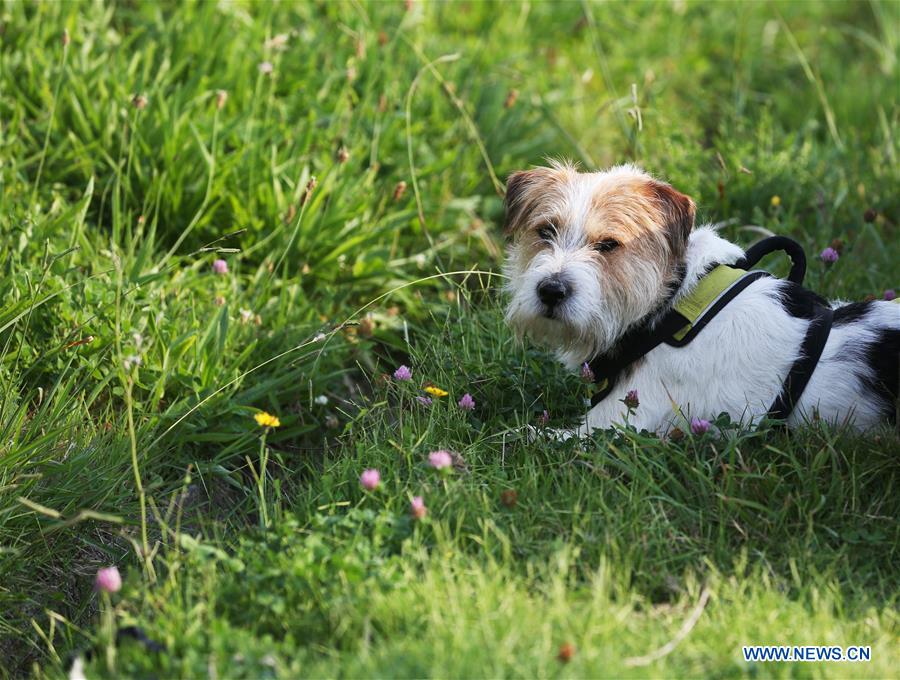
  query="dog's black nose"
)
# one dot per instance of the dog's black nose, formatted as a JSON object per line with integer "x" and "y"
{"x": 553, "y": 290}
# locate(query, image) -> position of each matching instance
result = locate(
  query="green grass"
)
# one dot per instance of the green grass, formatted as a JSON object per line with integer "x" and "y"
{"x": 252, "y": 554}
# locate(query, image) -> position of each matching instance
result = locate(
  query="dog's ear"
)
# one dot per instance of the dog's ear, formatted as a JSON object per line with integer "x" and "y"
{"x": 678, "y": 213}
{"x": 517, "y": 207}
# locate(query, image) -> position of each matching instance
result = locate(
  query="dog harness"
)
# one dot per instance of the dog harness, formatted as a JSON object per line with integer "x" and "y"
{"x": 691, "y": 314}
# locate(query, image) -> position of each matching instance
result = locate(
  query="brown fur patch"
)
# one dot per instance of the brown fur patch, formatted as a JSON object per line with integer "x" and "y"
{"x": 678, "y": 213}
{"x": 631, "y": 211}
{"x": 518, "y": 202}
{"x": 621, "y": 212}
{"x": 524, "y": 193}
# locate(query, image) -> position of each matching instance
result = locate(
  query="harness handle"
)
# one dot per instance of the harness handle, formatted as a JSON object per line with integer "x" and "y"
{"x": 769, "y": 245}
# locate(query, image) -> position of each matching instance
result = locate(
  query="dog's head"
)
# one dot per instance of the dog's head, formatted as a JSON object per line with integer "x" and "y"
{"x": 590, "y": 254}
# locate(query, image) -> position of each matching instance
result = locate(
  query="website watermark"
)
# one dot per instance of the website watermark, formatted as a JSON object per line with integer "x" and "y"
{"x": 817, "y": 653}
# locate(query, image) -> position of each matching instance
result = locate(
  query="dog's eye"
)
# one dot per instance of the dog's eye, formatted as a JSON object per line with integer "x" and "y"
{"x": 547, "y": 232}
{"x": 606, "y": 245}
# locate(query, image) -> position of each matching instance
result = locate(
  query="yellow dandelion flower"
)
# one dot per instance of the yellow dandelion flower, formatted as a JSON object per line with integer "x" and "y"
{"x": 264, "y": 419}
{"x": 436, "y": 391}
{"x": 776, "y": 201}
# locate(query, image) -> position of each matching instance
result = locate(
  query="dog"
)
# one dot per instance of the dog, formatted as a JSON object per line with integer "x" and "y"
{"x": 592, "y": 256}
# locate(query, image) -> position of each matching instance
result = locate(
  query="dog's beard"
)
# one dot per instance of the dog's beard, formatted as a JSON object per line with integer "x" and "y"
{"x": 580, "y": 327}
{"x": 593, "y": 318}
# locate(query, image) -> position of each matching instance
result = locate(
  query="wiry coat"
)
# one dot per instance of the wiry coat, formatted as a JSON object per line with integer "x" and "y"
{"x": 737, "y": 364}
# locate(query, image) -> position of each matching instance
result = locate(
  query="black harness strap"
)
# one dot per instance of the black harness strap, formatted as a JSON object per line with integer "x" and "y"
{"x": 633, "y": 345}
{"x": 769, "y": 245}
{"x": 802, "y": 370}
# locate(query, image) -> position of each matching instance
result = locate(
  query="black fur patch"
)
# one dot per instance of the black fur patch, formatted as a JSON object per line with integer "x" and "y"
{"x": 798, "y": 301}
{"x": 851, "y": 313}
{"x": 883, "y": 358}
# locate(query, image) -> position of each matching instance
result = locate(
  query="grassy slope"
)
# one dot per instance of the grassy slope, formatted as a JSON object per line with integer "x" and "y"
{"x": 610, "y": 543}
